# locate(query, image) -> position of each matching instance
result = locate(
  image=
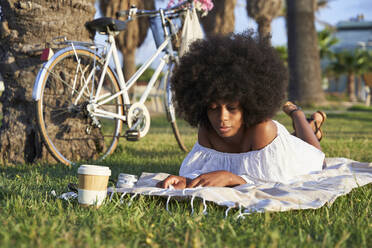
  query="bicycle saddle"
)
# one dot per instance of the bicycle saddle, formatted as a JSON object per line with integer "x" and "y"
{"x": 105, "y": 24}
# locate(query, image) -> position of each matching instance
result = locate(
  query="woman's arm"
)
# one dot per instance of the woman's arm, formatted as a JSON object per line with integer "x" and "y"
{"x": 219, "y": 178}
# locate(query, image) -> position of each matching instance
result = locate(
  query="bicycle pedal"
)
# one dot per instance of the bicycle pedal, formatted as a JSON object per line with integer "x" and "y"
{"x": 132, "y": 135}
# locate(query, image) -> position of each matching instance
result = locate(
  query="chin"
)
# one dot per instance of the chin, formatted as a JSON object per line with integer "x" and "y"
{"x": 225, "y": 135}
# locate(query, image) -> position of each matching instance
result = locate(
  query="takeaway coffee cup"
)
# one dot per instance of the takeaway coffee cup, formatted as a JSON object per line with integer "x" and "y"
{"x": 93, "y": 182}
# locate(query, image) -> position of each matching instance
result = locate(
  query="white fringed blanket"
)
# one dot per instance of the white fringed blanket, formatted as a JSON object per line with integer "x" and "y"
{"x": 307, "y": 192}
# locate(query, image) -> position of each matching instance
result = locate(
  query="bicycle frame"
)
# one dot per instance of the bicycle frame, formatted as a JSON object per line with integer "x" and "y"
{"x": 127, "y": 85}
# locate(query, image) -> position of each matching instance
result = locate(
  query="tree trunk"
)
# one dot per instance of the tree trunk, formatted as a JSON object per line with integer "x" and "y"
{"x": 303, "y": 56}
{"x": 359, "y": 88}
{"x": 264, "y": 26}
{"x": 263, "y": 12}
{"x": 351, "y": 87}
{"x": 26, "y": 28}
{"x": 221, "y": 19}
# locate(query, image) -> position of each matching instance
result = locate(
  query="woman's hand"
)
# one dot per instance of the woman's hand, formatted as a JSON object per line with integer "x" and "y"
{"x": 217, "y": 179}
{"x": 214, "y": 178}
{"x": 177, "y": 182}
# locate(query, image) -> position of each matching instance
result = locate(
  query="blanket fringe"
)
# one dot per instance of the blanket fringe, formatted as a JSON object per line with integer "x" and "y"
{"x": 192, "y": 204}
{"x": 121, "y": 197}
{"x": 166, "y": 207}
{"x": 131, "y": 199}
{"x": 227, "y": 212}
{"x": 205, "y": 207}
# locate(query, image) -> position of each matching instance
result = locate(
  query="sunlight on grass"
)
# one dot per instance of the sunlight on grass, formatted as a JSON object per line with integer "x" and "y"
{"x": 32, "y": 217}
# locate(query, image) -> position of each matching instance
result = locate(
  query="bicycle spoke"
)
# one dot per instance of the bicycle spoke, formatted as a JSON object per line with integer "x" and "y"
{"x": 58, "y": 77}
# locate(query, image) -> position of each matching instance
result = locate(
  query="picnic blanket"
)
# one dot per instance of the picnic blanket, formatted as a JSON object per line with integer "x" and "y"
{"x": 306, "y": 192}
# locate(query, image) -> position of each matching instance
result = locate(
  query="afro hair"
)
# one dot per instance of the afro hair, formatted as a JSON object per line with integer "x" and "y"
{"x": 237, "y": 67}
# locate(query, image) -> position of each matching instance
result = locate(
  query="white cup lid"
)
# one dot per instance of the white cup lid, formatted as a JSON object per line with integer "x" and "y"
{"x": 96, "y": 170}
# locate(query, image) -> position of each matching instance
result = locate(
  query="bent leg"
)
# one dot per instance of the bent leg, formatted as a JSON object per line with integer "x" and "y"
{"x": 305, "y": 129}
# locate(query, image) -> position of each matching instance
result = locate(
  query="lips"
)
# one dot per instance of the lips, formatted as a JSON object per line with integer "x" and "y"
{"x": 224, "y": 129}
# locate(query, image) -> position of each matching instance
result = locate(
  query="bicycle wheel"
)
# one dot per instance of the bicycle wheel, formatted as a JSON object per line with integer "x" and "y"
{"x": 185, "y": 135}
{"x": 68, "y": 126}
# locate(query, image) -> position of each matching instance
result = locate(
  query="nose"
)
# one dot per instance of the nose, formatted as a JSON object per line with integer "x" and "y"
{"x": 224, "y": 113}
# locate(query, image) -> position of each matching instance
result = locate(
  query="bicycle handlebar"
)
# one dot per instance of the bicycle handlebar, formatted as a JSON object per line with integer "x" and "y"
{"x": 140, "y": 12}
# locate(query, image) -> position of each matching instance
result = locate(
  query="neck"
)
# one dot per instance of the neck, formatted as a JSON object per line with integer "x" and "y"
{"x": 238, "y": 138}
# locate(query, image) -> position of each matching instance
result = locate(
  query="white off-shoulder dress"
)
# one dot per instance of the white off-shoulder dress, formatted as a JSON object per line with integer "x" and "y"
{"x": 285, "y": 158}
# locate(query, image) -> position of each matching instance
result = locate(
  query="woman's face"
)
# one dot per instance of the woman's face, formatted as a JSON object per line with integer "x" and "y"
{"x": 226, "y": 118}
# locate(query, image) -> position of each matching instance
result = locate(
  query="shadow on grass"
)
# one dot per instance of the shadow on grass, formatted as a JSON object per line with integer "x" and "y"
{"x": 361, "y": 108}
{"x": 35, "y": 181}
{"x": 160, "y": 154}
{"x": 59, "y": 170}
{"x": 351, "y": 116}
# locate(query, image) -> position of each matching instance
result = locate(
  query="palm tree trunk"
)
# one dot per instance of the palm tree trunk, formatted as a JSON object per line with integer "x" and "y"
{"x": 303, "y": 56}
{"x": 359, "y": 88}
{"x": 221, "y": 19}
{"x": 26, "y": 29}
{"x": 351, "y": 87}
{"x": 129, "y": 60}
{"x": 264, "y": 11}
{"x": 264, "y": 26}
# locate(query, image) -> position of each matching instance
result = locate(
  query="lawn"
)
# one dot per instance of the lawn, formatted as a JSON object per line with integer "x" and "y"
{"x": 30, "y": 216}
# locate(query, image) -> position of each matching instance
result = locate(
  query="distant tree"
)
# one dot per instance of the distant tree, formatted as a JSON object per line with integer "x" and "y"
{"x": 263, "y": 12}
{"x": 221, "y": 19}
{"x": 305, "y": 84}
{"x": 325, "y": 41}
{"x": 26, "y": 27}
{"x": 351, "y": 64}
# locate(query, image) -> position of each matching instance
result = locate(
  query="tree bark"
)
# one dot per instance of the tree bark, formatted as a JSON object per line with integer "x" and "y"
{"x": 303, "y": 56}
{"x": 351, "y": 87}
{"x": 221, "y": 19}
{"x": 264, "y": 26}
{"x": 26, "y": 28}
{"x": 264, "y": 11}
{"x": 359, "y": 87}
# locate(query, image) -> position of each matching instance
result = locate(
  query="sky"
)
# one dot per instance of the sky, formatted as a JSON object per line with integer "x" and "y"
{"x": 337, "y": 10}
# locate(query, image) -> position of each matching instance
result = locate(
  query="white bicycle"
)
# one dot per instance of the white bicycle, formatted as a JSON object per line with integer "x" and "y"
{"x": 82, "y": 100}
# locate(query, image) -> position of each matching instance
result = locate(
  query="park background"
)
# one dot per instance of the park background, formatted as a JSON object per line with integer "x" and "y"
{"x": 31, "y": 216}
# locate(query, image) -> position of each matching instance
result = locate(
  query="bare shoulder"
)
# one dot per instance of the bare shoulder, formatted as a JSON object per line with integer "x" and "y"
{"x": 203, "y": 137}
{"x": 263, "y": 134}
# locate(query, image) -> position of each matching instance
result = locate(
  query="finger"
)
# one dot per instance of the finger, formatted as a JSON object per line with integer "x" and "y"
{"x": 180, "y": 185}
{"x": 193, "y": 183}
{"x": 168, "y": 181}
{"x": 201, "y": 183}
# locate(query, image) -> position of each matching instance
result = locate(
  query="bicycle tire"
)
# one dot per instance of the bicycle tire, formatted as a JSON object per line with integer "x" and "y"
{"x": 68, "y": 131}
{"x": 184, "y": 134}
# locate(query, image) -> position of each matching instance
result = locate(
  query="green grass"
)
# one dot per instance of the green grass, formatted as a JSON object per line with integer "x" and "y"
{"x": 30, "y": 216}
{"x": 361, "y": 108}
